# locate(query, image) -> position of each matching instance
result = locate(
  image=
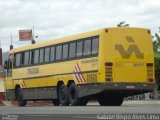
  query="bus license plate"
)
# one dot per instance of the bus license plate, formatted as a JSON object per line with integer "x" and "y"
{"x": 130, "y": 87}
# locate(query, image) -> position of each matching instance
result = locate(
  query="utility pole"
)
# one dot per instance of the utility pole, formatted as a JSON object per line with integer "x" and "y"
{"x": 0, "y": 54}
{"x": 11, "y": 45}
{"x": 33, "y": 40}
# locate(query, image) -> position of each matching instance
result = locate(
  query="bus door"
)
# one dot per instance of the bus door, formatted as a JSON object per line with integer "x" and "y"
{"x": 9, "y": 81}
{"x": 9, "y": 68}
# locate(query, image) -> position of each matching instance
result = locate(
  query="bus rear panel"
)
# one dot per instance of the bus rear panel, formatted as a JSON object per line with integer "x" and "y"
{"x": 127, "y": 60}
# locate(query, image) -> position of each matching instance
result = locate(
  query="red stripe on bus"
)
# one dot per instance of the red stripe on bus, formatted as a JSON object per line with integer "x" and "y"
{"x": 77, "y": 77}
{"x": 78, "y": 74}
{"x": 24, "y": 84}
{"x": 80, "y": 71}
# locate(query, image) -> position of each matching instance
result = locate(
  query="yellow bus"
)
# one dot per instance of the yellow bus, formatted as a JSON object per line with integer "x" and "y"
{"x": 107, "y": 64}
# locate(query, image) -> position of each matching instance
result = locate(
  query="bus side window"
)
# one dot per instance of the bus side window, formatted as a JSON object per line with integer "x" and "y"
{"x": 18, "y": 60}
{"x": 14, "y": 60}
{"x": 22, "y": 58}
{"x": 31, "y": 58}
{"x": 72, "y": 50}
{"x": 36, "y": 56}
{"x": 59, "y": 52}
{"x": 52, "y": 54}
{"x": 41, "y": 58}
{"x": 87, "y": 47}
{"x": 79, "y": 49}
{"x": 10, "y": 64}
{"x": 95, "y": 46}
{"x": 65, "y": 52}
{"x": 9, "y": 68}
{"x": 47, "y": 54}
{"x": 10, "y": 61}
{"x": 26, "y": 58}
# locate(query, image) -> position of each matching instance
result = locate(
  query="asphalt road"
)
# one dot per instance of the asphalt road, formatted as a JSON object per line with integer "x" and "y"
{"x": 52, "y": 117}
{"x": 79, "y": 113}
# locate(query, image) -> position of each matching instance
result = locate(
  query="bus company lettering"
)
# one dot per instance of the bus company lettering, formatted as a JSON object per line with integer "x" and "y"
{"x": 32, "y": 70}
{"x": 89, "y": 61}
{"x": 133, "y": 48}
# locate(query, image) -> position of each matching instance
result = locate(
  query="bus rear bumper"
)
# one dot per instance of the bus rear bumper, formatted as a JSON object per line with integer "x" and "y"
{"x": 128, "y": 88}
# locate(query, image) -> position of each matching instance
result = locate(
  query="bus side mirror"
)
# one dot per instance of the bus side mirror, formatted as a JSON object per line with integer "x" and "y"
{"x": 6, "y": 64}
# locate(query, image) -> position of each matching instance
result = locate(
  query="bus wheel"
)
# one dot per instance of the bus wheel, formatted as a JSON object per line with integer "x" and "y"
{"x": 108, "y": 100}
{"x": 63, "y": 95}
{"x": 117, "y": 101}
{"x": 73, "y": 96}
{"x": 84, "y": 101}
{"x": 56, "y": 102}
{"x": 20, "y": 100}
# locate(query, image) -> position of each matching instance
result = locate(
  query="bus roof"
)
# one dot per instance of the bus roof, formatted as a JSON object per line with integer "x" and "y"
{"x": 66, "y": 39}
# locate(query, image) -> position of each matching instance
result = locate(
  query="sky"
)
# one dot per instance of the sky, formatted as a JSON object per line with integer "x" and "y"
{"x": 59, "y": 18}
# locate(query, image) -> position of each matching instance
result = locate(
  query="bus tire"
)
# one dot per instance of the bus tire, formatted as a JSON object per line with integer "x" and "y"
{"x": 73, "y": 96}
{"x": 84, "y": 101}
{"x": 55, "y": 102}
{"x": 20, "y": 100}
{"x": 110, "y": 100}
{"x": 63, "y": 95}
{"x": 117, "y": 101}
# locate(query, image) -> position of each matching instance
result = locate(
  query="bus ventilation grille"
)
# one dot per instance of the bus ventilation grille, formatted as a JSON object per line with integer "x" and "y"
{"x": 108, "y": 72}
{"x": 91, "y": 78}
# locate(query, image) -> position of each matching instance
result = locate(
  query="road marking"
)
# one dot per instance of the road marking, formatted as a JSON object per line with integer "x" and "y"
{"x": 37, "y": 115}
{"x": 83, "y": 117}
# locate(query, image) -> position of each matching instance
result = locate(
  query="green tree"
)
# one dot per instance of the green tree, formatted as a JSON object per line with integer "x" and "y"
{"x": 156, "y": 47}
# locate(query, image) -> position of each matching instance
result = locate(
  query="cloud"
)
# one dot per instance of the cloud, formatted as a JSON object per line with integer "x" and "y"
{"x": 58, "y": 18}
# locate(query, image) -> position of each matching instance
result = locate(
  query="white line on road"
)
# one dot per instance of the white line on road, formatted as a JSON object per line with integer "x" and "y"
{"x": 37, "y": 115}
{"x": 83, "y": 117}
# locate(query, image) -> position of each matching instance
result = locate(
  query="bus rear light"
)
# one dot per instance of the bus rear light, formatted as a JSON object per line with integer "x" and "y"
{"x": 106, "y": 30}
{"x": 150, "y": 80}
{"x": 150, "y": 73}
{"x": 109, "y": 79}
{"x": 108, "y": 71}
{"x": 149, "y": 31}
{"x": 108, "y": 64}
{"x": 149, "y": 64}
